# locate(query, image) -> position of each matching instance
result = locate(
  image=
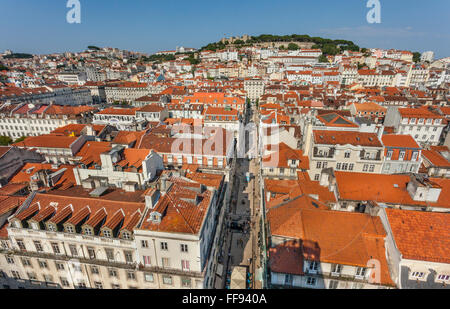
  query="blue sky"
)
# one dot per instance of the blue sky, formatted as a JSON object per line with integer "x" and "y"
{"x": 148, "y": 25}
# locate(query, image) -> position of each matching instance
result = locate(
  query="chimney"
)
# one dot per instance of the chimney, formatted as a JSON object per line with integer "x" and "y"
{"x": 151, "y": 198}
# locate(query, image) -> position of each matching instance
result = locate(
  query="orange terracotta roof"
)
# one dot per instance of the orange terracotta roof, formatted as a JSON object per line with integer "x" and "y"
{"x": 399, "y": 141}
{"x": 323, "y": 137}
{"x": 47, "y": 141}
{"x": 390, "y": 189}
{"x": 419, "y": 235}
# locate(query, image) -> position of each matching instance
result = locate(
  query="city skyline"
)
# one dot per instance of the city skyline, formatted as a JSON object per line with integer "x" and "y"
{"x": 41, "y": 28}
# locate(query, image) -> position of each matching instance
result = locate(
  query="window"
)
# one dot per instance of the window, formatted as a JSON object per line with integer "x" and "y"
{"x": 38, "y": 246}
{"x": 51, "y": 228}
{"x": 311, "y": 281}
{"x": 338, "y": 166}
{"x": 48, "y": 278}
{"x": 333, "y": 284}
{"x": 128, "y": 256}
{"x": 347, "y": 155}
{"x": 147, "y": 260}
{"x": 186, "y": 282}
{"x": 87, "y": 231}
{"x": 336, "y": 269}
{"x": 73, "y": 250}
{"x": 165, "y": 262}
{"x": 107, "y": 233}
{"x": 185, "y": 265}
{"x": 372, "y": 168}
{"x": 43, "y": 264}
{"x": 131, "y": 275}
{"x": 55, "y": 248}
{"x": 417, "y": 275}
{"x": 70, "y": 229}
{"x": 112, "y": 272}
{"x": 389, "y": 155}
{"x": 401, "y": 156}
{"x": 148, "y": 277}
{"x": 317, "y": 177}
{"x": 64, "y": 282}
{"x": 109, "y": 254}
{"x": 98, "y": 285}
{"x": 115, "y": 286}
{"x": 10, "y": 260}
{"x": 126, "y": 235}
{"x": 345, "y": 166}
{"x": 164, "y": 246}
{"x": 319, "y": 165}
{"x": 351, "y": 167}
{"x": 94, "y": 270}
{"x": 313, "y": 266}
{"x": 26, "y": 262}
{"x": 59, "y": 266}
{"x": 15, "y": 274}
{"x": 167, "y": 280}
{"x": 91, "y": 253}
{"x": 144, "y": 244}
{"x": 32, "y": 276}
{"x": 184, "y": 248}
{"x": 360, "y": 272}
{"x": 21, "y": 244}
{"x": 443, "y": 277}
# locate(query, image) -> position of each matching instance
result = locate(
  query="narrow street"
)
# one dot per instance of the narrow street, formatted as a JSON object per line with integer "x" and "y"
{"x": 243, "y": 234}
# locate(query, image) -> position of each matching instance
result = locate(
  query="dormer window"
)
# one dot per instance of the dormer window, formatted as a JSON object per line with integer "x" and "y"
{"x": 51, "y": 227}
{"x": 17, "y": 224}
{"x": 107, "y": 233}
{"x": 70, "y": 229}
{"x": 88, "y": 231}
{"x": 126, "y": 235}
{"x": 34, "y": 226}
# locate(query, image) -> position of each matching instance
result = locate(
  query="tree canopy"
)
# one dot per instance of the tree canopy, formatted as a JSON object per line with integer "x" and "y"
{"x": 5, "y": 140}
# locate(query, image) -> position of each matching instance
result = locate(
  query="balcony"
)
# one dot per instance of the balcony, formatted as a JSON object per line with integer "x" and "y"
{"x": 365, "y": 156}
{"x": 324, "y": 154}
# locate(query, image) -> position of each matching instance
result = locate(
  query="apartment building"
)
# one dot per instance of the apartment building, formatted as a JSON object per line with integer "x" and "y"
{"x": 56, "y": 149}
{"x": 323, "y": 249}
{"x": 216, "y": 100}
{"x": 422, "y": 124}
{"x": 436, "y": 161}
{"x": 128, "y": 169}
{"x": 422, "y": 261}
{"x": 254, "y": 88}
{"x": 77, "y": 240}
{"x": 32, "y": 120}
{"x": 185, "y": 111}
{"x": 362, "y": 192}
{"x": 225, "y": 118}
{"x": 283, "y": 162}
{"x": 121, "y": 118}
{"x": 212, "y": 149}
{"x": 344, "y": 151}
{"x": 72, "y": 78}
{"x": 125, "y": 91}
{"x": 402, "y": 154}
{"x": 57, "y": 94}
{"x": 153, "y": 113}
